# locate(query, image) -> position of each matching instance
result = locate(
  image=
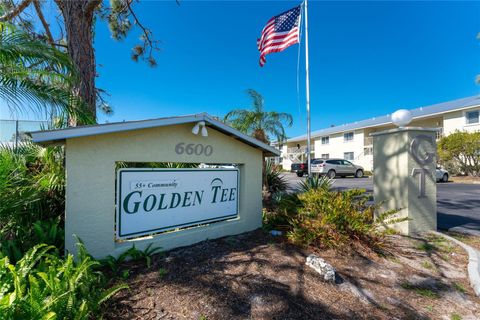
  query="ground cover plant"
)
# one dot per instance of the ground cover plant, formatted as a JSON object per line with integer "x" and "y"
{"x": 41, "y": 285}
{"x": 36, "y": 280}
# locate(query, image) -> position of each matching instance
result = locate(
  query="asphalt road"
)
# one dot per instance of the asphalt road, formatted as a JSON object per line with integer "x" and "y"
{"x": 458, "y": 205}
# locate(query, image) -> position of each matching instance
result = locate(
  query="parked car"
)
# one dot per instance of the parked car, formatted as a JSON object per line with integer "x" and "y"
{"x": 299, "y": 168}
{"x": 441, "y": 175}
{"x": 336, "y": 167}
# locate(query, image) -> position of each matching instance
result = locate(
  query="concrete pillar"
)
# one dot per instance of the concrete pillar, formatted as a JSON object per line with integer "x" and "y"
{"x": 404, "y": 163}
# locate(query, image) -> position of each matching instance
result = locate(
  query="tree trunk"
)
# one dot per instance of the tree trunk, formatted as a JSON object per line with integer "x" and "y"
{"x": 78, "y": 19}
{"x": 259, "y": 134}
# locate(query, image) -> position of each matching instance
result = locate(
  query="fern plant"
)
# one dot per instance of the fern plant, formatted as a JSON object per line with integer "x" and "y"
{"x": 115, "y": 264}
{"x": 146, "y": 254}
{"x": 43, "y": 286}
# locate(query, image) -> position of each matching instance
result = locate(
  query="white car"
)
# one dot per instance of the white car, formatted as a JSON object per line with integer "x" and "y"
{"x": 441, "y": 175}
{"x": 336, "y": 167}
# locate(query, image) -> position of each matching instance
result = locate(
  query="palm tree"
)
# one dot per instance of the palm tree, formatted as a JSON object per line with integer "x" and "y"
{"x": 257, "y": 122}
{"x": 35, "y": 75}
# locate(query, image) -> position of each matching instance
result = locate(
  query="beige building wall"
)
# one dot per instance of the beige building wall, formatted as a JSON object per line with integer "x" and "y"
{"x": 90, "y": 194}
{"x": 337, "y": 146}
{"x": 448, "y": 123}
{"x": 456, "y": 121}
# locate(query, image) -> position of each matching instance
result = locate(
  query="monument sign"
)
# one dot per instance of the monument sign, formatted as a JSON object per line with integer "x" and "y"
{"x": 114, "y": 200}
{"x": 404, "y": 163}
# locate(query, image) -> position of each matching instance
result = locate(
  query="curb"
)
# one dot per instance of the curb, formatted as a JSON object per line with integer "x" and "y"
{"x": 473, "y": 267}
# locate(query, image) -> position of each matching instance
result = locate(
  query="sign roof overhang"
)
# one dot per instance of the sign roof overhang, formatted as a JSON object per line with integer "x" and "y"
{"x": 59, "y": 136}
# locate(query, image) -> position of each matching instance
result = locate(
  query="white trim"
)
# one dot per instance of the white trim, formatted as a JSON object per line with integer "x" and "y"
{"x": 59, "y": 136}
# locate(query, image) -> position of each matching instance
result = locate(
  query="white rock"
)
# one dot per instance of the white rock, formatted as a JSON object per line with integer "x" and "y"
{"x": 322, "y": 267}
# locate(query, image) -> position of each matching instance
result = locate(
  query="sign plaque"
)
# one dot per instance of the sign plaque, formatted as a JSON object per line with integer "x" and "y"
{"x": 156, "y": 200}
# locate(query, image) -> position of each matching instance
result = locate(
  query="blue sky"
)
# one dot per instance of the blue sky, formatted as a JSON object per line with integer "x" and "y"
{"x": 366, "y": 59}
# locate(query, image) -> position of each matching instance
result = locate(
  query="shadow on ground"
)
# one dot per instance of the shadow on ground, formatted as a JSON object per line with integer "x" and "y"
{"x": 254, "y": 276}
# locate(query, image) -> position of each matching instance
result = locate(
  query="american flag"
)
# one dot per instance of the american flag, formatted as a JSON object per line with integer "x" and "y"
{"x": 281, "y": 32}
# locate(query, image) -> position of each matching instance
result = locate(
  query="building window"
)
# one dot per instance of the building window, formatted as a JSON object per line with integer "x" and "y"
{"x": 325, "y": 156}
{"x": 472, "y": 117}
{"x": 439, "y": 133}
{"x": 325, "y": 140}
{"x": 368, "y": 151}
{"x": 348, "y": 155}
{"x": 348, "y": 136}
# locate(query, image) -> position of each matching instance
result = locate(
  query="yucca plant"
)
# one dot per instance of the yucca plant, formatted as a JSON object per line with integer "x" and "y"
{"x": 315, "y": 182}
{"x": 275, "y": 181}
{"x": 43, "y": 286}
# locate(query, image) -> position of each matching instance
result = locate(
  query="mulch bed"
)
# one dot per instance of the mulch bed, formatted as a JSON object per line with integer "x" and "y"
{"x": 256, "y": 276}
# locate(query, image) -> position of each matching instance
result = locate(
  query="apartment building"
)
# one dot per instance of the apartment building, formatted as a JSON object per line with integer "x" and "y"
{"x": 353, "y": 142}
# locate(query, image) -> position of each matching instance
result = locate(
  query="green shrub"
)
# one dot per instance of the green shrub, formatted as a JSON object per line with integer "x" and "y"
{"x": 461, "y": 149}
{"x": 333, "y": 219}
{"x": 49, "y": 232}
{"x": 279, "y": 218}
{"x": 32, "y": 198}
{"x": 41, "y": 285}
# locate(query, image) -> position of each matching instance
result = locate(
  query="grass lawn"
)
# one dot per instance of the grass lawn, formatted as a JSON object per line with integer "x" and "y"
{"x": 465, "y": 179}
{"x": 256, "y": 276}
{"x": 471, "y": 240}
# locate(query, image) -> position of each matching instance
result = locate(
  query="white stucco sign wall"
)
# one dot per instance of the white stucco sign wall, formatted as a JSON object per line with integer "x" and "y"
{"x": 112, "y": 209}
{"x": 155, "y": 200}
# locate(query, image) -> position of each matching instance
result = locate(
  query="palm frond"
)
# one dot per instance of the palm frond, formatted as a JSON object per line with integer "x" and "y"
{"x": 257, "y": 100}
{"x": 257, "y": 122}
{"x": 36, "y": 76}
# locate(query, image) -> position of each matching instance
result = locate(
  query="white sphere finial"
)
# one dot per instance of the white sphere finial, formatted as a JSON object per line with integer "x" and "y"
{"x": 401, "y": 117}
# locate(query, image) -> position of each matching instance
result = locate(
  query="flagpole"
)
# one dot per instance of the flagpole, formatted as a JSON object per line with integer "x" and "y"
{"x": 307, "y": 84}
